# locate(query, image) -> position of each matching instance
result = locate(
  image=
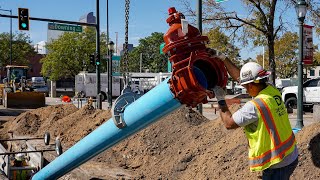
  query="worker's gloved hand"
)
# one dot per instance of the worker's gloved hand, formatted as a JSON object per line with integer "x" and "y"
{"x": 215, "y": 53}
{"x": 211, "y": 52}
{"x": 220, "y": 93}
{"x": 222, "y": 56}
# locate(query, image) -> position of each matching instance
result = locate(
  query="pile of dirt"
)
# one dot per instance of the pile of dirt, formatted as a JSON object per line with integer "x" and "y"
{"x": 65, "y": 121}
{"x": 179, "y": 146}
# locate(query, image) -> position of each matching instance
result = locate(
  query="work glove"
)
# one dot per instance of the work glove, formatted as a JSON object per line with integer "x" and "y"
{"x": 220, "y": 93}
{"x": 211, "y": 52}
{"x": 222, "y": 56}
{"x": 215, "y": 53}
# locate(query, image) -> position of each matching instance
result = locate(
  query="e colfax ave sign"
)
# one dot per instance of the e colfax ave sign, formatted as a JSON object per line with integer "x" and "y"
{"x": 64, "y": 27}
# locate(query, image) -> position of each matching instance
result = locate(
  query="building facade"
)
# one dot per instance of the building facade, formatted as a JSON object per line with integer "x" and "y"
{"x": 313, "y": 72}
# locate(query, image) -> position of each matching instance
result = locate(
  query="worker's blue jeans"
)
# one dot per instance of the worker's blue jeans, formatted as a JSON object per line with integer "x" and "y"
{"x": 283, "y": 173}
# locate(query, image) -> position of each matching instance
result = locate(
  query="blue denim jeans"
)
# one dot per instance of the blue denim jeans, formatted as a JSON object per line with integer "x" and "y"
{"x": 283, "y": 173}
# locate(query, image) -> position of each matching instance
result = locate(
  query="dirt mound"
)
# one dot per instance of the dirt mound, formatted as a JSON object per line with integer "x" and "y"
{"x": 183, "y": 145}
{"x": 67, "y": 122}
{"x": 308, "y": 141}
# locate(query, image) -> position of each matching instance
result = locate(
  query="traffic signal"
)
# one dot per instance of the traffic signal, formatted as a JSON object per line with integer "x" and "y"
{"x": 23, "y": 18}
{"x": 92, "y": 59}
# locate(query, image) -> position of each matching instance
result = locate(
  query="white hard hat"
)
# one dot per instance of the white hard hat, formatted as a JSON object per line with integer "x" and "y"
{"x": 252, "y": 72}
{"x": 19, "y": 157}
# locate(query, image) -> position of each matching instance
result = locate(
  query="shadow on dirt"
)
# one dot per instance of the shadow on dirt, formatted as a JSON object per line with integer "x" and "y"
{"x": 314, "y": 148}
{"x": 12, "y": 112}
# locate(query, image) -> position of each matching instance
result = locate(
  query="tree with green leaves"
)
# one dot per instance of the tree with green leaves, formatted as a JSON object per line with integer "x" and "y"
{"x": 21, "y": 49}
{"x": 69, "y": 54}
{"x": 259, "y": 25}
{"x": 286, "y": 55}
{"x": 222, "y": 43}
{"x": 316, "y": 58}
{"x": 152, "y": 60}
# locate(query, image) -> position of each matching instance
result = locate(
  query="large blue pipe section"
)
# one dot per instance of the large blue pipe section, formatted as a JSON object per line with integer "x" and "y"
{"x": 149, "y": 108}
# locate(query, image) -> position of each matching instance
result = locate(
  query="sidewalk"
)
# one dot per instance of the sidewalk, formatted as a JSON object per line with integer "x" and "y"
{"x": 209, "y": 112}
{"x": 209, "y": 109}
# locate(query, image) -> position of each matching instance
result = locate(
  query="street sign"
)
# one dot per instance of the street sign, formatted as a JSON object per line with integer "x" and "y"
{"x": 116, "y": 65}
{"x": 64, "y": 27}
{"x": 220, "y": 1}
{"x": 307, "y": 45}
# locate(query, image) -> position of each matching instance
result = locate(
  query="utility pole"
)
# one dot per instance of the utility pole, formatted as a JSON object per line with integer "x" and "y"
{"x": 140, "y": 62}
{"x": 116, "y": 49}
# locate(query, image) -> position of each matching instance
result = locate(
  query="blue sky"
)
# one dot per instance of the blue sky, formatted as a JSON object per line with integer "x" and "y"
{"x": 146, "y": 16}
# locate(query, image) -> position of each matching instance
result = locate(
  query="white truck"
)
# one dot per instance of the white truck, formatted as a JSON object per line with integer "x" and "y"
{"x": 86, "y": 85}
{"x": 311, "y": 94}
{"x": 146, "y": 81}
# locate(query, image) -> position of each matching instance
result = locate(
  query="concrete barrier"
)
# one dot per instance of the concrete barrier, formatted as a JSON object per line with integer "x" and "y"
{"x": 316, "y": 112}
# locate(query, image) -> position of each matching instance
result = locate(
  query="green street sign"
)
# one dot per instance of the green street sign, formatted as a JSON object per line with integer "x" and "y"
{"x": 64, "y": 27}
{"x": 220, "y": 1}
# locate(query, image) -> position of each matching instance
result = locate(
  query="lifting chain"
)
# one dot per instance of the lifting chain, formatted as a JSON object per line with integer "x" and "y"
{"x": 126, "y": 55}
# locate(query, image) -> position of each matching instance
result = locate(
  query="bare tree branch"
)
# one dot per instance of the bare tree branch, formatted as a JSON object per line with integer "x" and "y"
{"x": 258, "y": 6}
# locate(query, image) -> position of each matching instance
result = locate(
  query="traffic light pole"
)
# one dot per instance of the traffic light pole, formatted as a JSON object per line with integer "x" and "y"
{"x": 98, "y": 56}
{"x": 51, "y": 20}
{"x": 96, "y": 25}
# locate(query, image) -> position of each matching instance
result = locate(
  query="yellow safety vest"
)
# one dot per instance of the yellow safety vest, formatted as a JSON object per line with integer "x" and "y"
{"x": 273, "y": 139}
{"x": 20, "y": 175}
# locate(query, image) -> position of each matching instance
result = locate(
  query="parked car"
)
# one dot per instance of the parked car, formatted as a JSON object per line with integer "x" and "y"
{"x": 39, "y": 85}
{"x": 311, "y": 94}
{"x": 282, "y": 83}
{"x": 238, "y": 89}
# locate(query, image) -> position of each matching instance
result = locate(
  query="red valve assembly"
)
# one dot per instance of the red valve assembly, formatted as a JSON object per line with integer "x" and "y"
{"x": 194, "y": 72}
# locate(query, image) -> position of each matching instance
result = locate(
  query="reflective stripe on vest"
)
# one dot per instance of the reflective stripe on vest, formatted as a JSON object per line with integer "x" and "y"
{"x": 279, "y": 147}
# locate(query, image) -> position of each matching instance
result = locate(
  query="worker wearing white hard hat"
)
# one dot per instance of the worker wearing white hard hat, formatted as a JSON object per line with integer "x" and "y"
{"x": 272, "y": 144}
{"x": 252, "y": 72}
{"x": 20, "y": 157}
{"x": 19, "y": 161}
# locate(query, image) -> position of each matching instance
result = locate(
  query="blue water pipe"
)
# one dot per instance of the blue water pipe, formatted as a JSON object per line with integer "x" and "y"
{"x": 155, "y": 104}
{"x": 147, "y": 109}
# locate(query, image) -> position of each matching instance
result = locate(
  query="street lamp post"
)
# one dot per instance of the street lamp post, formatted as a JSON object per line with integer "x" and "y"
{"x": 301, "y": 8}
{"x": 99, "y": 100}
{"x": 111, "y": 50}
{"x": 10, "y": 33}
{"x": 199, "y": 24}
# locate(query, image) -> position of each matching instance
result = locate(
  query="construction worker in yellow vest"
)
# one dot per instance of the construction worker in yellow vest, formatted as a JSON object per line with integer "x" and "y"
{"x": 272, "y": 144}
{"x": 19, "y": 162}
